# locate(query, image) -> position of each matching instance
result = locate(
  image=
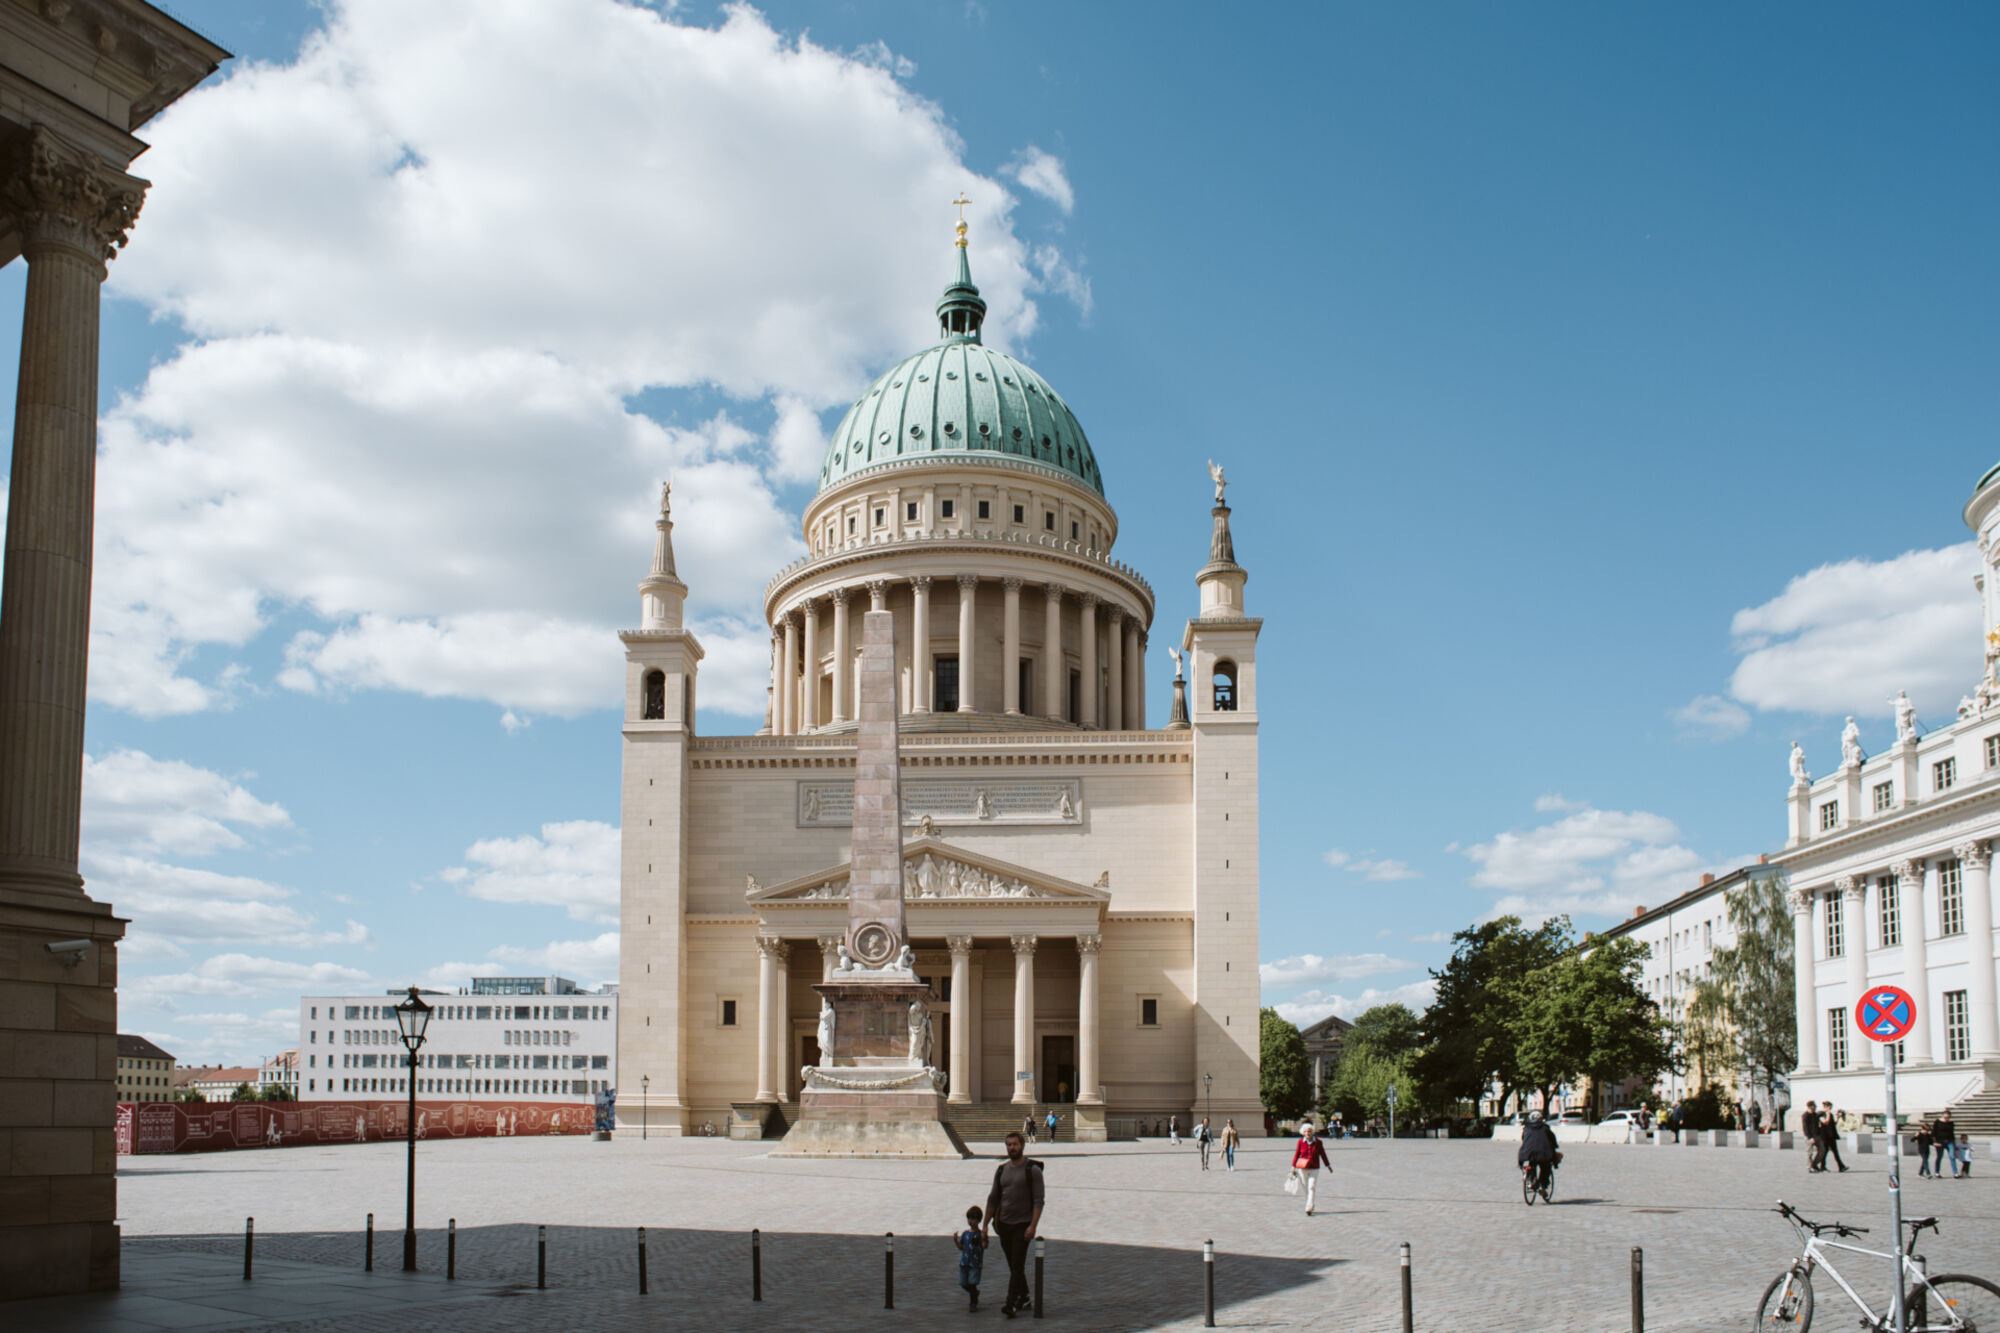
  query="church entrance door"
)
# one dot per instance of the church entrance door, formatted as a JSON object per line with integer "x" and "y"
{"x": 1058, "y": 1069}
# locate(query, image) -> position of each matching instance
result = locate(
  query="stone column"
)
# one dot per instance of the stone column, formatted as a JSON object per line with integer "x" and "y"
{"x": 809, "y": 679}
{"x": 774, "y": 707}
{"x": 878, "y": 594}
{"x": 1010, "y": 652}
{"x": 1087, "y": 1078}
{"x": 920, "y": 644}
{"x": 1135, "y": 666}
{"x": 1024, "y": 1018}
{"x": 1089, "y": 713}
{"x": 1114, "y": 671}
{"x": 767, "y": 1004}
{"x": 968, "y": 605}
{"x": 1916, "y": 960}
{"x": 781, "y": 1025}
{"x": 788, "y": 687}
{"x": 1853, "y": 892}
{"x": 842, "y": 651}
{"x": 1801, "y": 903}
{"x": 1975, "y": 862}
{"x": 960, "y": 1093}
{"x": 1052, "y": 652}
{"x": 829, "y": 956}
{"x": 72, "y": 212}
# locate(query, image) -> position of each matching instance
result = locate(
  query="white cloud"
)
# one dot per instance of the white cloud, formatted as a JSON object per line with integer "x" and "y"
{"x": 421, "y": 338}
{"x": 134, "y": 802}
{"x": 1059, "y": 275}
{"x": 877, "y": 55}
{"x": 1371, "y": 868}
{"x": 1712, "y": 717}
{"x": 1434, "y": 937}
{"x": 242, "y": 974}
{"x": 572, "y": 865}
{"x": 1039, "y": 170}
{"x": 187, "y": 904}
{"x": 1554, "y": 800}
{"x": 1333, "y": 856}
{"x": 1308, "y": 968}
{"x": 1312, "y": 1006}
{"x": 1589, "y": 863}
{"x": 1844, "y": 637}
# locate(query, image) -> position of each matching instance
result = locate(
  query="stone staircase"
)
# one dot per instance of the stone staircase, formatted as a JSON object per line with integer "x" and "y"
{"x": 1978, "y": 1114}
{"x": 989, "y": 1122}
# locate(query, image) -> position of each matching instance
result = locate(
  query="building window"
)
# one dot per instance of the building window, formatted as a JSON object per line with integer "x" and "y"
{"x": 1836, "y": 942}
{"x": 1957, "y": 1026}
{"x": 1025, "y": 687}
{"x": 1075, "y": 712}
{"x": 1836, "y": 1032}
{"x": 850, "y": 525}
{"x": 1888, "y": 912}
{"x": 1020, "y": 514}
{"x": 986, "y": 509}
{"x": 1072, "y": 531}
{"x": 729, "y": 1013}
{"x": 881, "y": 516}
{"x": 653, "y": 706}
{"x": 1993, "y": 751}
{"x": 1049, "y": 520}
{"x": 1829, "y": 815}
{"x": 1149, "y": 1012}
{"x": 1225, "y": 687}
{"x": 1951, "y": 899}
{"x": 1943, "y": 774}
{"x": 944, "y": 695}
{"x": 946, "y": 509}
{"x": 910, "y": 511}
{"x": 1885, "y": 796}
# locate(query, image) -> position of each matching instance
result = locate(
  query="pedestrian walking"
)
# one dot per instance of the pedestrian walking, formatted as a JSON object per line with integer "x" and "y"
{"x": 1674, "y": 1119}
{"x": 1809, "y": 1130}
{"x": 1174, "y": 1130}
{"x": 1203, "y": 1140}
{"x": 1307, "y": 1158}
{"x": 1944, "y": 1136}
{"x": 1229, "y": 1140}
{"x": 1923, "y": 1139}
{"x": 971, "y": 1244}
{"x": 1961, "y": 1151}
{"x": 1829, "y": 1133}
{"x": 1014, "y": 1209}
{"x": 1028, "y": 1127}
{"x": 1756, "y": 1117}
{"x": 1053, "y": 1121}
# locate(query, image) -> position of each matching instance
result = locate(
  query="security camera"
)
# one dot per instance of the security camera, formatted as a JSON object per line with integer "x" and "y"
{"x": 70, "y": 951}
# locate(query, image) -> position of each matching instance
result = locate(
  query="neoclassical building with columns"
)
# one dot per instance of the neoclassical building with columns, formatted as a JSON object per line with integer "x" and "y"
{"x": 1889, "y": 867}
{"x": 1081, "y": 887}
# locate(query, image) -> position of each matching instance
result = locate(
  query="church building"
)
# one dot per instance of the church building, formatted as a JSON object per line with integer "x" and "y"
{"x": 1081, "y": 889}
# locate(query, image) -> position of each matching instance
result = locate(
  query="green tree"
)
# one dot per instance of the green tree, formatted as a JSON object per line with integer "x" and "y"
{"x": 1708, "y": 1037}
{"x": 1758, "y": 982}
{"x": 189, "y": 1095}
{"x": 1585, "y": 1016}
{"x": 1471, "y": 1032}
{"x": 1284, "y": 1074}
{"x": 1377, "y": 1053}
{"x": 244, "y": 1093}
{"x": 277, "y": 1092}
{"x": 1388, "y": 1030}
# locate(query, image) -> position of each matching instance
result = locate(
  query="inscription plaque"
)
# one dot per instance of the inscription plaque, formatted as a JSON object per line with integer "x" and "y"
{"x": 953, "y": 801}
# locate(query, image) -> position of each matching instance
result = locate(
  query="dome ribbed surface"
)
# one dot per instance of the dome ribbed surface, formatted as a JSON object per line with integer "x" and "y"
{"x": 960, "y": 399}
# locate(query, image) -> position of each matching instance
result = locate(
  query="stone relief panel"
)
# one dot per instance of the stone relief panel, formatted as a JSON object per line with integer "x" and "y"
{"x": 933, "y": 801}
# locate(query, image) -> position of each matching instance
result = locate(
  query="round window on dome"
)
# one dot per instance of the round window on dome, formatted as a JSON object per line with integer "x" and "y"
{"x": 1005, "y": 379}
{"x": 985, "y": 429}
{"x": 950, "y": 428}
{"x": 1017, "y": 432}
{"x": 883, "y": 438}
{"x": 951, "y": 374}
{"x": 916, "y": 432}
{"x": 979, "y": 375}
{"x": 897, "y": 385}
{"x": 923, "y": 379}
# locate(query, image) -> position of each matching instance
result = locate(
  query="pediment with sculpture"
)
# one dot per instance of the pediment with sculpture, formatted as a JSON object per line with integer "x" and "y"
{"x": 935, "y": 872}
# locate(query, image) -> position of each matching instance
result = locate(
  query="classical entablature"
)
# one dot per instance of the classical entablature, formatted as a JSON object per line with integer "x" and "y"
{"x": 947, "y": 890}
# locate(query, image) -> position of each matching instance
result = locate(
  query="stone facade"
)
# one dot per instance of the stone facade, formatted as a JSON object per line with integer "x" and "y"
{"x": 1080, "y": 891}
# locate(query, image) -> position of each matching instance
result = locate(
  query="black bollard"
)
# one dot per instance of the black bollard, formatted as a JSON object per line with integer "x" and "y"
{"x": 1040, "y": 1249}
{"x": 1638, "y": 1290}
{"x": 451, "y": 1250}
{"x": 1409, "y": 1304}
{"x": 889, "y": 1270}
{"x": 249, "y": 1242}
{"x": 1208, "y": 1269}
{"x": 541, "y": 1258}
{"x": 756, "y": 1265}
{"x": 642, "y": 1261}
{"x": 368, "y": 1251}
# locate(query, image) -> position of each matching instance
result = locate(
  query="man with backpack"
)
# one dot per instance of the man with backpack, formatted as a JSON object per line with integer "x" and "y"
{"x": 1014, "y": 1208}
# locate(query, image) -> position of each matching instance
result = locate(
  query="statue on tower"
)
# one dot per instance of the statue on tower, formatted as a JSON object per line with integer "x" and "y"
{"x": 1906, "y": 716}
{"x": 1799, "y": 765}
{"x": 1850, "y": 745}
{"x": 1215, "y": 475}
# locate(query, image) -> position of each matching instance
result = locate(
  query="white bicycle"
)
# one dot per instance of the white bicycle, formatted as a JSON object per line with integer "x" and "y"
{"x": 1951, "y": 1303}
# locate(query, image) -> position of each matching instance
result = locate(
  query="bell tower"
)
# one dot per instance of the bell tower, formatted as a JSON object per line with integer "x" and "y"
{"x": 1221, "y": 644}
{"x": 661, "y": 659}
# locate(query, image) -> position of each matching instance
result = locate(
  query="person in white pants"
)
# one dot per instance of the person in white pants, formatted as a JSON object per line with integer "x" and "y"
{"x": 1307, "y": 1159}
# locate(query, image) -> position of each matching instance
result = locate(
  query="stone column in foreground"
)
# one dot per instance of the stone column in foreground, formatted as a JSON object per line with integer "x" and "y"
{"x": 961, "y": 1013}
{"x": 1024, "y": 1018}
{"x": 920, "y": 643}
{"x": 1087, "y": 947}
{"x": 788, "y": 685}
{"x": 1010, "y": 650}
{"x": 767, "y": 1004}
{"x": 1801, "y": 903}
{"x": 1089, "y": 650}
{"x": 809, "y": 680}
{"x": 1114, "y": 671}
{"x": 968, "y": 589}
{"x": 1854, "y": 952}
{"x": 842, "y": 650}
{"x": 1975, "y": 861}
{"x": 1052, "y": 653}
{"x": 1916, "y": 959}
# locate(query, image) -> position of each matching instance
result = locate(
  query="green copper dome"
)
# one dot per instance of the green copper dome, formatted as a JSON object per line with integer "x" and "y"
{"x": 959, "y": 400}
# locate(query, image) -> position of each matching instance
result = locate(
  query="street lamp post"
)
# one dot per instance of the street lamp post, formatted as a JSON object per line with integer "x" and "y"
{"x": 645, "y": 1091}
{"x": 1208, "y": 1088}
{"x": 412, "y": 1017}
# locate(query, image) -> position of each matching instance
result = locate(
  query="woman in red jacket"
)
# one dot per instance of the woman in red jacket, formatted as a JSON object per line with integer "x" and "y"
{"x": 1307, "y": 1159}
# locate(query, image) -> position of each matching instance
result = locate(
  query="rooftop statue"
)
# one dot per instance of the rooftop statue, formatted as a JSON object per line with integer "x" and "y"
{"x": 1215, "y": 475}
{"x": 1799, "y": 764}
{"x": 1906, "y": 716}
{"x": 1850, "y": 745}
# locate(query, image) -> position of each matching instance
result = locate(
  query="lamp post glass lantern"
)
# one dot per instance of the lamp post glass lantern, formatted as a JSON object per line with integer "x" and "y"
{"x": 1208, "y": 1088}
{"x": 413, "y": 1016}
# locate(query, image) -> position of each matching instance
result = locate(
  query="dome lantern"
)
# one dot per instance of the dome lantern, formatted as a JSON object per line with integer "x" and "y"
{"x": 961, "y": 310}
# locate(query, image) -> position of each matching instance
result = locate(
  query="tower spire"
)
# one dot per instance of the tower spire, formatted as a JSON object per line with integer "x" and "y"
{"x": 961, "y": 310}
{"x": 661, "y": 592}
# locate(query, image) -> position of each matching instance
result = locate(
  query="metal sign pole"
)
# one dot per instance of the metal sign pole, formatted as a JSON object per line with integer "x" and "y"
{"x": 1895, "y": 1188}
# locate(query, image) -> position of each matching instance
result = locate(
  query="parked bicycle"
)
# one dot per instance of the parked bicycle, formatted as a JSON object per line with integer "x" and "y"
{"x": 1538, "y": 1178}
{"x": 1951, "y": 1303}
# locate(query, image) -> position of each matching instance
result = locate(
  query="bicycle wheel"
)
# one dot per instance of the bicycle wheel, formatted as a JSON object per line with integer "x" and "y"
{"x": 1548, "y": 1184}
{"x": 1787, "y": 1304}
{"x": 1955, "y": 1303}
{"x": 1528, "y": 1188}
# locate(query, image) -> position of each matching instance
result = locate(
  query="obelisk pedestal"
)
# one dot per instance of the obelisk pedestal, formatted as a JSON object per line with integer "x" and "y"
{"x": 875, "y": 1091}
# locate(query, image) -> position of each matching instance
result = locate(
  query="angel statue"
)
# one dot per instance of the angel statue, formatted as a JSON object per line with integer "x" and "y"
{"x": 1798, "y": 764}
{"x": 1850, "y": 745}
{"x": 1215, "y": 475}
{"x": 1175, "y": 653}
{"x": 1906, "y": 716}
{"x": 920, "y": 1033}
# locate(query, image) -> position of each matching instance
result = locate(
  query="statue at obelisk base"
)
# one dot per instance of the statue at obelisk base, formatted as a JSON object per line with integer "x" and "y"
{"x": 874, "y": 1092}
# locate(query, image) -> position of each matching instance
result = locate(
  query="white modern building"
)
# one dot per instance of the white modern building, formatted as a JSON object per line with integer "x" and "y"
{"x": 1889, "y": 865}
{"x": 501, "y": 1039}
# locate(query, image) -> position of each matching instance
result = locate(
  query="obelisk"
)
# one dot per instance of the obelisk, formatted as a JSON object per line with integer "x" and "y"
{"x": 874, "y": 1092}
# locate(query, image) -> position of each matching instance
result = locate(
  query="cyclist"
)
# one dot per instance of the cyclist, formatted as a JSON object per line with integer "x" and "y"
{"x": 1538, "y": 1147}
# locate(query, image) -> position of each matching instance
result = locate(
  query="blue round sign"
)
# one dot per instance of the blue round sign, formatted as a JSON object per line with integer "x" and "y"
{"x": 1885, "y": 1013}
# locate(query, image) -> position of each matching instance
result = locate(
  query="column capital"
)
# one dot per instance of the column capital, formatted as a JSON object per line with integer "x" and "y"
{"x": 921, "y": 582}
{"x": 65, "y": 197}
{"x": 1089, "y": 600}
{"x": 839, "y": 596}
{"x": 1012, "y": 584}
{"x": 960, "y": 945}
{"x": 967, "y": 582}
{"x": 1115, "y": 614}
{"x": 878, "y": 593}
{"x": 774, "y": 948}
{"x": 1973, "y": 855}
{"x": 1055, "y": 592}
{"x": 1908, "y": 872}
{"x": 1024, "y": 945}
{"x": 1850, "y": 887}
{"x": 1799, "y": 900}
{"x": 829, "y": 946}
{"x": 1089, "y": 944}
{"x": 793, "y": 620}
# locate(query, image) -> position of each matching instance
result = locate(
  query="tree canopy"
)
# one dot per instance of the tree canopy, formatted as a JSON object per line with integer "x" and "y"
{"x": 1470, "y": 1033}
{"x": 1376, "y": 1054}
{"x": 1585, "y": 1016}
{"x": 1283, "y": 1070}
{"x": 1757, "y": 980}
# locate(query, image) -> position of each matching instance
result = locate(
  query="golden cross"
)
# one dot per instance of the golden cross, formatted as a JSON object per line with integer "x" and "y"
{"x": 960, "y": 203}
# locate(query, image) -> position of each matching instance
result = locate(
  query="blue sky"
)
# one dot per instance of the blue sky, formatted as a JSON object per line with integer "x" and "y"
{"x": 1599, "y": 389}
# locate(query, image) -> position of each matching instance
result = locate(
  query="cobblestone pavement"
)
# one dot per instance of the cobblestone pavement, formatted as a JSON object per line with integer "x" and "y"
{"x": 1125, "y": 1227}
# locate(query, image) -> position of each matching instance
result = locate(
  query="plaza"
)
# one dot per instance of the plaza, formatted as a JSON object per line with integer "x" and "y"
{"x": 1125, "y": 1226}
